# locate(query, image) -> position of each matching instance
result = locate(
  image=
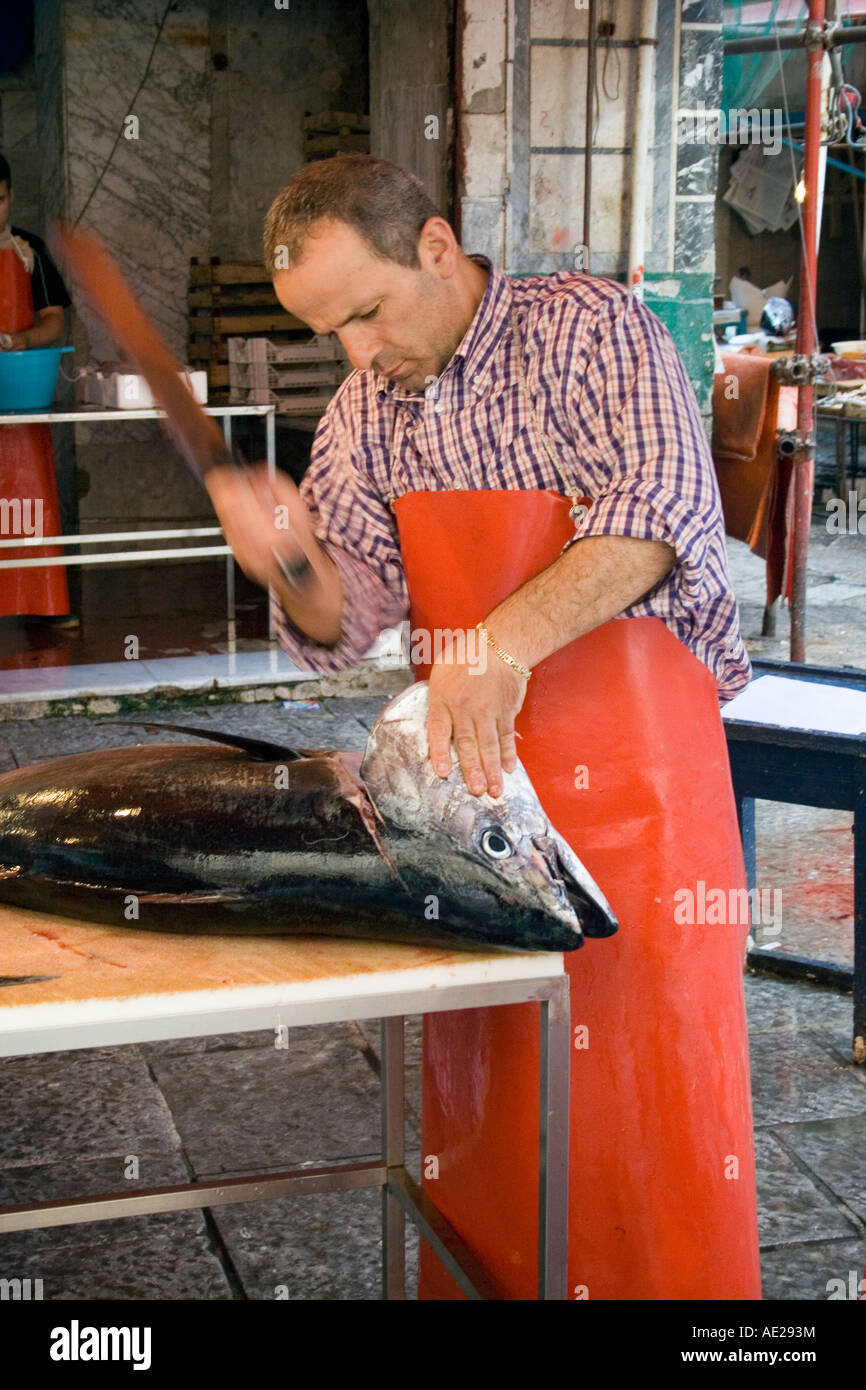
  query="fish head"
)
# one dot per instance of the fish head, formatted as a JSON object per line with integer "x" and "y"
{"x": 499, "y": 853}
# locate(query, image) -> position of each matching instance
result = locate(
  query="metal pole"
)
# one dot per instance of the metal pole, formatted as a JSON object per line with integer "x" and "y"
{"x": 553, "y": 1148}
{"x": 767, "y": 43}
{"x": 804, "y": 463}
{"x": 643, "y": 118}
{"x": 271, "y": 454}
{"x": 590, "y": 120}
{"x": 231, "y": 610}
{"x": 393, "y": 1138}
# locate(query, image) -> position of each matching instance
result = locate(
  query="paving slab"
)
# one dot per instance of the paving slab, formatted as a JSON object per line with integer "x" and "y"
{"x": 61, "y": 1105}
{"x": 790, "y": 1206}
{"x": 295, "y": 728}
{"x": 34, "y": 740}
{"x": 146, "y": 1262}
{"x": 29, "y": 741}
{"x": 326, "y": 1247}
{"x": 835, "y": 1151}
{"x": 777, "y": 1006}
{"x": 837, "y": 1041}
{"x": 365, "y": 708}
{"x": 806, "y": 854}
{"x": 315, "y": 1102}
{"x": 804, "y": 1272}
{"x": 794, "y": 1078}
{"x": 51, "y": 1182}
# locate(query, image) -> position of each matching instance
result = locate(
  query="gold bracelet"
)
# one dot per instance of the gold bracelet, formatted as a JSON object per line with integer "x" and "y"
{"x": 503, "y": 656}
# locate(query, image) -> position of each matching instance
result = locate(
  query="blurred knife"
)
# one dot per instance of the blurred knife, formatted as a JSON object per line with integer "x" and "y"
{"x": 196, "y": 434}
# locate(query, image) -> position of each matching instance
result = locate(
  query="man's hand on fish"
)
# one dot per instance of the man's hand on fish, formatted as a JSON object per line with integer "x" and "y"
{"x": 268, "y": 527}
{"x": 589, "y": 583}
{"x": 475, "y": 706}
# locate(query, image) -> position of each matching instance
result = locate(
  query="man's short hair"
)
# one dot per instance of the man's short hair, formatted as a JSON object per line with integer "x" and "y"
{"x": 386, "y": 205}
{"x": 5, "y": 171}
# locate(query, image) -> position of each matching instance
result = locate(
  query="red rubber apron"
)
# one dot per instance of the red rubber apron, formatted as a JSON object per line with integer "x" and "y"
{"x": 27, "y": 472}
{"x": 622, "y": 738}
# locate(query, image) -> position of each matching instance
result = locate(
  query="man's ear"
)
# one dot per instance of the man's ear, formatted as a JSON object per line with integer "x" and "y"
{"x": 437, "y": 242}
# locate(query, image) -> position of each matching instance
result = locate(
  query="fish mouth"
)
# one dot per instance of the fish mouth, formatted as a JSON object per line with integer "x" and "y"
{"x": 570, "y": 880}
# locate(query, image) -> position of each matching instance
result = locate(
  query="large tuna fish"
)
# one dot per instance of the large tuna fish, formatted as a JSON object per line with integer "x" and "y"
{"x": 253, "y": 837}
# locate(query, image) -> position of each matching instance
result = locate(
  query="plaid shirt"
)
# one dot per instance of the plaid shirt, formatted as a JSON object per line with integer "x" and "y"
{"x": 611, "y": 394}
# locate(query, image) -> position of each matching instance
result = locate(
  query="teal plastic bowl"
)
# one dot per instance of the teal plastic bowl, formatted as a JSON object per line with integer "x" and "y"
{"x": 28, "y": 378}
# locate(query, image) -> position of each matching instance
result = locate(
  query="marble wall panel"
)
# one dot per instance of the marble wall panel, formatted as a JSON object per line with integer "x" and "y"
{"x": 556, "y": 204}
{"x": 564, "y": 19}
{"x": 558, "y": 83}
{"x": 482, "y": 227}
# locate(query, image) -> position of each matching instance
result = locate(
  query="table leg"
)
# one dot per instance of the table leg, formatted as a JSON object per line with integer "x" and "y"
{"x": 393, "y": 1136}
{"x": 231, "y": 609}
{"x": 859, "y": 1048}
{"x": 746, "y": 818}
{"x": 841, "y": 480}
{"x": 554, "y": 1102}
{"x": 271, "y": 455}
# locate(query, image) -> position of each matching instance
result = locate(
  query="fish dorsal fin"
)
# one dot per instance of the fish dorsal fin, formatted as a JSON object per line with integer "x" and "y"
{"x": 257, "y": 748}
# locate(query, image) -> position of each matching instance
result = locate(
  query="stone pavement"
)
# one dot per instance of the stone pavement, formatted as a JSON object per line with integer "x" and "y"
{"x": 197, "y": 1108}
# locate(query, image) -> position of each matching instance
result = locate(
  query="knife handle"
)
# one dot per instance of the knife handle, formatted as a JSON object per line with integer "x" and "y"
{"x": 296, "y": 574}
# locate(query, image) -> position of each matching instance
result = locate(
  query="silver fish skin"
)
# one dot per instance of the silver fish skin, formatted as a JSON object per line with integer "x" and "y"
{"x": 239, "y": 839}
{"x": 509, "y": 836}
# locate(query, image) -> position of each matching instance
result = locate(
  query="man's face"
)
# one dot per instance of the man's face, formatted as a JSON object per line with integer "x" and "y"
{"x": 404, "y": 324}
{"x": 5, "y": 203}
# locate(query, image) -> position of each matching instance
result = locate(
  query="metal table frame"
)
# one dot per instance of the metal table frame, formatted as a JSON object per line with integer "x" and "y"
{"x": 401, "y": 1196}
{"x": 88, "y": 416}
{"x": 839, "y": 421}
{"x": 806, "y": 769}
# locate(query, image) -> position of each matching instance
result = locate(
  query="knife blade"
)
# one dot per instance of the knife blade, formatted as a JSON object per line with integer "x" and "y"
{"x": 196, "y": 435}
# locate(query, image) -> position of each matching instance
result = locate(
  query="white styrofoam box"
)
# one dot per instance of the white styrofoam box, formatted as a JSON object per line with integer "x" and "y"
{"x": 325, "y": 347}
{"x": 287, "y": 376}
{"x": 129, "y": 391}
{"x": 87, "y": 387}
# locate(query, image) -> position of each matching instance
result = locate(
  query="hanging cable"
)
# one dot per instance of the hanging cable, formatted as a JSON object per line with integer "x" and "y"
{"x": 170, "y": 6}
{"x": 610, "y": 48}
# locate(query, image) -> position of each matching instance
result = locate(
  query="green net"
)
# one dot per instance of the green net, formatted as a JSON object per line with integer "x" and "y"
{"x": 746, "y": 77}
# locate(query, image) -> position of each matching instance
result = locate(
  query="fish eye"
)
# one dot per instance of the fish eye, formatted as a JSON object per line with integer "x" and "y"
{"x": 495, "y": 844}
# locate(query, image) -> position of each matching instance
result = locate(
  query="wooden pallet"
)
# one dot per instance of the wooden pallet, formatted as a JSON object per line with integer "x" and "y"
{"x": 335, "y": 132}
{"x": 226, "y": 299}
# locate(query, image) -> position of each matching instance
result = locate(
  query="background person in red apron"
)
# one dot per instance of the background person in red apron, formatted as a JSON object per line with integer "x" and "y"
{"x": 528, "y": 453}
{"x": 32, "y": 300}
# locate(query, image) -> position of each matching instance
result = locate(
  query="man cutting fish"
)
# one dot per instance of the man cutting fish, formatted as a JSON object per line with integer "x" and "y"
{"x": 527, "y": 455}
{"x": 610, "y": 394}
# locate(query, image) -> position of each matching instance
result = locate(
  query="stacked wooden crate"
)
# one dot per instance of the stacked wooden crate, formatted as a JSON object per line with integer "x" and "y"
{"x": 228, "y": 299}
{"x": 335, "y": 132}
{"x": 299, "y": 378}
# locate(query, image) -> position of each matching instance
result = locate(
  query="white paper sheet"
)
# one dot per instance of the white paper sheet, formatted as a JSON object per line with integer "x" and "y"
{"x": 800, "y": 704}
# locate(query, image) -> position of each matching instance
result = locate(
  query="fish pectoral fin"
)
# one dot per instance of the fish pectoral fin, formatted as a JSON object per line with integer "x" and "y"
{"x": 257, "y": 748}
